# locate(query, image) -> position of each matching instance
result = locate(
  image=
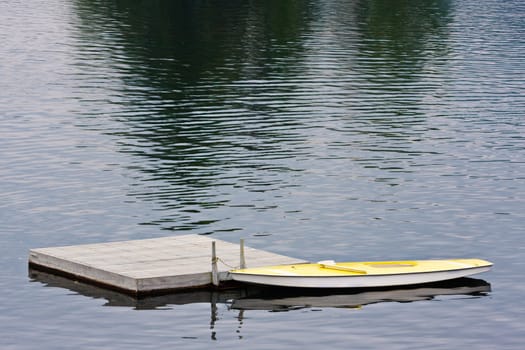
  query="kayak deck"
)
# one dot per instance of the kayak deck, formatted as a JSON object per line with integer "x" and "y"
{"x": 328, "y": 274}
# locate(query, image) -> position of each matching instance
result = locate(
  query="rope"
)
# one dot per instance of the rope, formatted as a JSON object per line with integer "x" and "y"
{"x": 225, "y": 263}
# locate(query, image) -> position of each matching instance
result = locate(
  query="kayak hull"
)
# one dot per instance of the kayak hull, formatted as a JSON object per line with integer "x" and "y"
{"x": 361, "y": 275}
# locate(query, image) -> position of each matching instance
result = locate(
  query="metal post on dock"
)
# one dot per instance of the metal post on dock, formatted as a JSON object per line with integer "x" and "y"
{"x": 243, "y": 260}
{"x": 214, "y": 269}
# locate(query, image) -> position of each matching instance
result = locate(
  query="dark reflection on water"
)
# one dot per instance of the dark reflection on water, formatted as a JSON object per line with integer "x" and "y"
{"x": 295, "y": 299}
{"x": 253, "y": 297}
{"x": 193, "y": 109}
{"x": 252, "y": 104}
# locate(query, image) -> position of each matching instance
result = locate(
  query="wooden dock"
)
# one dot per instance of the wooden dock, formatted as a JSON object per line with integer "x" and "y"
{"x": 153, "y": 266}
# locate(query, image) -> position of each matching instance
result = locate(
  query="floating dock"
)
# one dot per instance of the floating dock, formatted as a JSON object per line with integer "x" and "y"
{"x": 154, "y": 266}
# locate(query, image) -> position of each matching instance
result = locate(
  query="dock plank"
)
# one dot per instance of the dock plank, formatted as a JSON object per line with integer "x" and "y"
{"x": 151, "y": 266}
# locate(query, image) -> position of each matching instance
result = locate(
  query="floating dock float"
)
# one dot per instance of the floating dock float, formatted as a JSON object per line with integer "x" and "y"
{"x": 154, "y": 266}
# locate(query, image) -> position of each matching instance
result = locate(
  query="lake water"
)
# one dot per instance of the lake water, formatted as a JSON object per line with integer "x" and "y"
{"x": 317, "y": 129}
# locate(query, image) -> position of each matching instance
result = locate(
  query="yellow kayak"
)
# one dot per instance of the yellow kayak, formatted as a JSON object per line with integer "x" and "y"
{"x": 329, "y": 274}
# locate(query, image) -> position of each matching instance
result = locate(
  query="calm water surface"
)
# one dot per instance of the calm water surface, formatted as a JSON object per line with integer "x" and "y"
{"x": 317, "y": 129}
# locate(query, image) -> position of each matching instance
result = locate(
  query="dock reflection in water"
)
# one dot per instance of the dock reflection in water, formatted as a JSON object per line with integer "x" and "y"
{"x": 252, "y": 297}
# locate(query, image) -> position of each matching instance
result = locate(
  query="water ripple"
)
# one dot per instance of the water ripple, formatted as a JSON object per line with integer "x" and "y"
{"x": 374, "y": 129}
